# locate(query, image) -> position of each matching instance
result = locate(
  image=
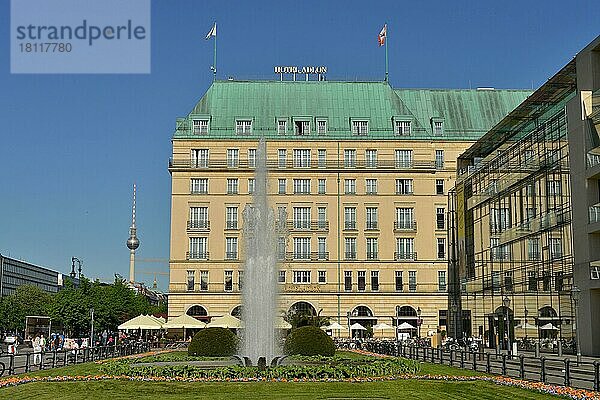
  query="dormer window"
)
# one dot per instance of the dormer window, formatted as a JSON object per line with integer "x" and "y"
{"x": 281, "y": 126}
{"x": 360, "y": 127}
{"x": 302, "y": 127}
{"x": 438, "y": 127}
{"x": 321, "y": 127}
{"x": 403, "y": 128}
{"x": 200, "y": 126}
{"x": 243, "y": 126}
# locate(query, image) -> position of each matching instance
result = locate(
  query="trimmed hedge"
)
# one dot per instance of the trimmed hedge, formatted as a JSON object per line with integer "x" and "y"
{"x": 213, "y": 342}
{"x": 309, "y": 341}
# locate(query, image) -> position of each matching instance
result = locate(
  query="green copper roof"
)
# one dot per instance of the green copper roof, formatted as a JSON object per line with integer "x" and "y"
{"x": 465, "y": 114}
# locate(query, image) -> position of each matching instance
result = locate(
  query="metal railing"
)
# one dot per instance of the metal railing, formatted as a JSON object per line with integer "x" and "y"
{"x": 550, "y": 370}
{"x": 198, "y": 225}
{"x": 313, "y": 255}
{"x": 190, "y": 255}
{"x": 405, "y": 225}
{"x": 302, "y": 225}
{"x": 11, "y": 364}
{"x": 405, "y": 256}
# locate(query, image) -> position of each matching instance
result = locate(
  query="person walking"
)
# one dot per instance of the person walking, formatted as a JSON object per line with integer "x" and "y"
{"x": 36, "y": 351}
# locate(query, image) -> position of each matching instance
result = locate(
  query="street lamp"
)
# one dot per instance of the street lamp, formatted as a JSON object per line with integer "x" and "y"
{"x": 506, "y": 304}
{"x": 92, "y": 330}
{"x": 454, "y": 310}
{"x": 575, "y": 292}
{"x": 419, "y": 322}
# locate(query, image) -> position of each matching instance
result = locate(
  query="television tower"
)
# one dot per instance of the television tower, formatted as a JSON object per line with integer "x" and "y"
{"x": 132, "y": 243}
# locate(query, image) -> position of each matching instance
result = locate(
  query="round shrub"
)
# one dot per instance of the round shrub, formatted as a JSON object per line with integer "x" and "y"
{"x": 213, "y": 342}
{"x": 309, "y": 341}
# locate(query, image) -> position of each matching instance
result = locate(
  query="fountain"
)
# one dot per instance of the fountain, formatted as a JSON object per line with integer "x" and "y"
{"x": 260, "y": 291}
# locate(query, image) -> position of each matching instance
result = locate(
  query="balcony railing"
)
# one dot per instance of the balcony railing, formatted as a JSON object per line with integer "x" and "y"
{"x": 405, "y": 256}
{"x": 595, "y": 213}
{"x": 187, "y": 163}
{"x": 313, "y": 256}
{"x": 350, "y": 255}
{"x": 231, "y": 225}
{"x": 231, "y": 255}
{"x": 405, "y": 225}
{"x": 198, "y": 225}
{"x": 372, "y": 226}
{"x": 350, "y": 225}
{"x": 196, "y": 255}
{"x": 372, "y": 255}
{"x": 308, "y": 225}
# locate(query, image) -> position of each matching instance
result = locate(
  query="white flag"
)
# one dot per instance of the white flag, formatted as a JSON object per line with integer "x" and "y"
{"x": 212, "y": 32}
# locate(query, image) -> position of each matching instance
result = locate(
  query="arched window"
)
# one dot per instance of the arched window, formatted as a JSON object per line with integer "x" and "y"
{"x": 406, "y": 311}
{"x": 362, "y": 311}
{"x": 237, "y": 311}
{"x": 547, "y": 313}
{"x": 197, "y": 311}
{"x": 302, "y": 307}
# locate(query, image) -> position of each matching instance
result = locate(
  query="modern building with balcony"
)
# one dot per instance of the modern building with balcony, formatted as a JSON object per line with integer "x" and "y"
{"x": 524, "y": 233}
{"x": 360, "y": 170}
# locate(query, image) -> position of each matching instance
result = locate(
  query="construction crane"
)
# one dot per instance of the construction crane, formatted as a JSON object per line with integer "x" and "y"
{"x": 154, "y": 273}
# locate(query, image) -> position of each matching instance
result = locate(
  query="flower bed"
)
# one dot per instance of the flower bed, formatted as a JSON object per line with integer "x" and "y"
{"x": 572, "y": 393}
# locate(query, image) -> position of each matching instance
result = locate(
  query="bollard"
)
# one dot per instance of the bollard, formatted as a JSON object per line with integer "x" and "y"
{"x": 451, "y": 357}
{"x": 522, "y": 366}
{"x": 474, "y": 362}
{"x": 537, "y": 349}
{"x": 488, "y": 366}
{"x": 543, "y": 369}
{"x": 504, "y": 364}
{"x": 27, "y": 363}
{"x": 596, "y": 375}
{"x": 441, "y": 354}
{"x": 462, "y": 359}
{"x": 433, "y": 355}
{"x": 53, "y": 358}
{"x": 42, "y": 354}
{"x": 567, "y": 372}
{"x": 560, "y": 348}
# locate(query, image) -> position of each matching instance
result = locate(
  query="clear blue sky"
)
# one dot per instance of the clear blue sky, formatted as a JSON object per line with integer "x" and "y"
{"x": 72, "y": 145}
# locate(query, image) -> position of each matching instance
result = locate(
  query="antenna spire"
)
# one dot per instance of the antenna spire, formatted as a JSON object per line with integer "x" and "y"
{"x": 132, "y": 243}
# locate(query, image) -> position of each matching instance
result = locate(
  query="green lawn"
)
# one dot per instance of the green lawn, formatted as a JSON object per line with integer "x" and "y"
{"x": 114, "y": 390}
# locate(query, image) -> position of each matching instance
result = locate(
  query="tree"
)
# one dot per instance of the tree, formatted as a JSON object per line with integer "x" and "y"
{"x": 26, "y": 300}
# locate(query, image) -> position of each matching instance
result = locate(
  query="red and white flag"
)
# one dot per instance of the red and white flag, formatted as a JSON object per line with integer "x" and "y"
{"x": 382, "y": 35}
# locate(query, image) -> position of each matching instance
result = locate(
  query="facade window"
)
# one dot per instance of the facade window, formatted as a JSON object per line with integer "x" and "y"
{"x": 198, "y": 218}
{"x": 439, "y": 186}
{"x": 349, "y": 158}
{"x": 190, "y": 280}
{"x": 302, "y": 276}
{"x": 301, "y": 158}
{"x": 499, "y": 252}
{"x": 350, "y": 186}
{"x": 231, "y": 217}
{"x": 528, "y": 156}
{"x": 360, "y": 127}
{"x": 438, "y": 128}
{"x": 372, "y": 249}
{"x": 508, "y": 281}
{"x": 282, "y": 126}
{"x": 404, "y": 186}
{"x": 322, "y": 217}
{"x": 228, "y": 281}
{"x": 199, "y": 185}
{"x": 405, "y": 248}
{"x": 322, "y": 158}
{"x": 533, "y": 249}
{"x": 555, "y": 248}
{"x": 232, "y": 185}
{"x": 443, "y": 317}
{"x": 371, "y": 158}
{"x": 281, "y": 277}
{"x": 231, "y": 248}
{"x": 499, "y": 219}
{"x": 371, "y": 186}
{"x": 399, "y": 284}
{"x": 374, "y": 281}
{"x": 404, "y": 158}
{"x": 200, "y": 126}
{"x": 204, "y": 281}
{"x": 546, "y": 281}
{"x": 281, "y": 245}
{"x": 440, "y": 218}
{"x": 199, "y": 158}
{"x": 301, "y": 186}
{"x": 350, "y": 247}
{"x": 439, "y": 159}
{"x": 350, "y": 218}
{"x": 281, "y": 185}
{"x": 252, "y": 158}
{"x": 301, "y": 217}
{"x": 322, "y": 254}
{"x": 251, "y": 185}
{"x": 302, "y": 127}
{"x": 532, "y": 281}
{"x": 302, "y": 248}
{"x": 441, "y": 281}
{"x": 441, "y": 248}
{"x": 412, "y": 281}
{"x": 198, "y": 248}
{"x": 321, "y": 186}
{"x": 594, "y": 274}
{"x": 361, "y": 281}
{"x": 405, "y": 218}
{"x": 348, "y": 281}
{"x": 321, "y": 127}
{"x": 322, "y": 277}
{"x": 554, "y": 188}
{"x": 403, "y": 128}
{"x": 243, "y": 126}
{"x": 233, "y": 158}
{"x": 281, "y": 158}
{"x": 372, "y": 220}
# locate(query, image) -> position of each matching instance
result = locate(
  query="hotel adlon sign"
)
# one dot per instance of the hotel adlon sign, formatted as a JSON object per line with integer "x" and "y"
{"x": 300, "y": 70}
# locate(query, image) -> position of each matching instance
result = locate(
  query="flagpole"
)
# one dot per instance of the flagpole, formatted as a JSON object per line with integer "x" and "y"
{"x": 386, "y": 53}
{"x": 215, "y": 58}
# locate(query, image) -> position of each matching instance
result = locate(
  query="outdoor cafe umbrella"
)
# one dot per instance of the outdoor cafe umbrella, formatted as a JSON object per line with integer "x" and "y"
{"x": 383, "y": 326}
{"x": 334, "y": 326}
{"x": 548, "y": 327}
{"x": 226, "y": 321}
{"x": 141, "y": 322}
{"x": 405, "y": 325}
{"x": 358, "y": 327}
{"x": 184, "y": 321}
{"x": 280, "y": 323}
